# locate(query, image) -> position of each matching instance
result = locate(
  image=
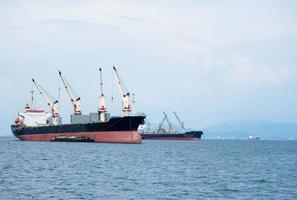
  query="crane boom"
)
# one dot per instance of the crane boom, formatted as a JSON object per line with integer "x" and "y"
{"x": 74, "y": 100}
{"x": 54, "y": 105}
{"x": 126, "y": 101}
{"x": 102, "y": 103}
{"x": 162, "y": 123}
{"x": 167, "y": 120}
{"x": 179, "y": 121}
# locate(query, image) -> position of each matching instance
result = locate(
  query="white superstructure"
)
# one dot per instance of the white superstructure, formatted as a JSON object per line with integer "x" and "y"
{"x": 33, "y": 117}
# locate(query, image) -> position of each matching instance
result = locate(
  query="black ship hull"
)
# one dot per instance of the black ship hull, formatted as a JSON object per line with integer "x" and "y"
{"x": 191, "y": 135}
{"x": 116, "y": 130}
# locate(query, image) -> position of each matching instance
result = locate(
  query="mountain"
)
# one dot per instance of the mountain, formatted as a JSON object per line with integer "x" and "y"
{"x": 243, "y": 129}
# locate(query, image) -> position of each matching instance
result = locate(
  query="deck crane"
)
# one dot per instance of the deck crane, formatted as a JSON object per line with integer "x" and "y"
{"x": 165, "y": 118}
{"x": 182, "y": 125}
{"x": 102, "y": 103}
{"x": 161, "y": 124}
{"x": 74, "y": 100}
{"x": 54, "y": 105}
{"x": 126, "y": 101}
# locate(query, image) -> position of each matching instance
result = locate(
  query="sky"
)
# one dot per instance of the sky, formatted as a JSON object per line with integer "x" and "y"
{"x": 210, "y": 61}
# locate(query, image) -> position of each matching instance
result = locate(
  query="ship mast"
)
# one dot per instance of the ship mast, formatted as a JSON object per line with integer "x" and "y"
{"x": 32, "y": 98}
{"x": 133, "y": 103}
{"x": 179, "y": 121}
{"x": 74, "y": 99}
{"x": 102, "y": 103}
{"x": 126, "y": 101}
{"x": 54, "y": 105}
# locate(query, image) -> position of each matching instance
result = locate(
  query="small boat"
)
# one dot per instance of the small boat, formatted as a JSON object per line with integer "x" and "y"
{"x": 251, "y": 137}
{"x": 72, "y": 139}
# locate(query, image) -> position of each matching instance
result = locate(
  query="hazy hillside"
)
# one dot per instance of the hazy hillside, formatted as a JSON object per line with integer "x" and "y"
{"x": 242, "y": 129}
{"x": 245, "y": 128}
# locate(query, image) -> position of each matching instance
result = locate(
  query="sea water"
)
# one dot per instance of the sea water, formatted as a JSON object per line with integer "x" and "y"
{"x": 207, "y": 169}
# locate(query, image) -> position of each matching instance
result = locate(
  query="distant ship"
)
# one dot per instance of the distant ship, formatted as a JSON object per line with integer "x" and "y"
{"x": 253, "y": 137}
{"x": 39, "y": 125}
{"x": 171, "y": 134}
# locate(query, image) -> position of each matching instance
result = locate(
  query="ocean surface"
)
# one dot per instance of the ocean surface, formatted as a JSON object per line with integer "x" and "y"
{"x": 207, "y": 169}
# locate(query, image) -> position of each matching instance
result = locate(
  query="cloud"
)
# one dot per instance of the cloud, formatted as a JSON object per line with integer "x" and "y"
{"x": 128, "y": 18}
{"x": 77, "y": 26}
{"x": 238, "y": 73}
{"x": 176, "y": 53}
{"x": 245, "y": 73}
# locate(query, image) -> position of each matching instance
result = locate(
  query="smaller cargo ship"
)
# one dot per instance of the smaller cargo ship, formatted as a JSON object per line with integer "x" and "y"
{"x": 191, "y": 135}
{"x": 162, "y": 134}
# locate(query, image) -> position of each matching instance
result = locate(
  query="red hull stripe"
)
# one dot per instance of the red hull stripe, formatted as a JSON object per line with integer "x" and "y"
{"x": 171, "y": 139}
{"x": 105, "y": 137}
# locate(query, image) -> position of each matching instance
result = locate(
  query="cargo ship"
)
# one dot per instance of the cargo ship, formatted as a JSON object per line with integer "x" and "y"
{"x": 162, "y": 134}
{"x": 39, "y": 125}
{"x": 191, "y": 135}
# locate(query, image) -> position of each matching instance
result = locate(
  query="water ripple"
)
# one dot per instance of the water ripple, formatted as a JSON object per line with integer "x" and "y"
{"x": 153, "y": 170}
